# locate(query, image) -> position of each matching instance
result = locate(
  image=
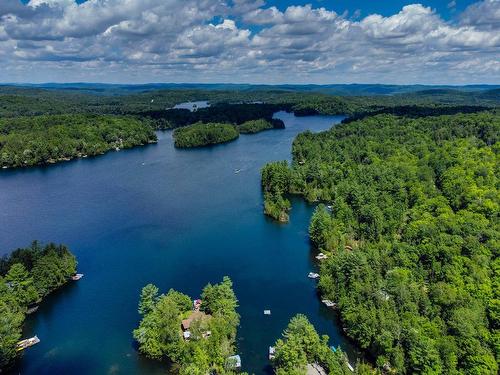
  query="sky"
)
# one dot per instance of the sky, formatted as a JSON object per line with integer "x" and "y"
{"x": 250, "y": 41}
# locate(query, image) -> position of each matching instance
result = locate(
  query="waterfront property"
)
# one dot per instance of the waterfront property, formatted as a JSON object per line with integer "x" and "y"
{"x": 142, "y": 227}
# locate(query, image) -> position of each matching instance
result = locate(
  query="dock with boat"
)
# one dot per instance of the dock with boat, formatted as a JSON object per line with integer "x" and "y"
{"x": 321, "y": 256}
{"x": 26, "y": 343}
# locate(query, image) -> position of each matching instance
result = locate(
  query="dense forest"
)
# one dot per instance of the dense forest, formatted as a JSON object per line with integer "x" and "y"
{"x": 44, "y": 126}
{"x": 26, "y": 277}
{"x": 28, "y": 141}
{"x": 21, "y": 101}
{"x": 200, "y": 134}
{"x": 235, "y": 114}
{"x": 196, "y": 336}
{"x": 412, "y": 229}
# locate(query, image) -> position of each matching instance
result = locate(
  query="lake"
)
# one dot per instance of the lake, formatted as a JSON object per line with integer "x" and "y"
{"x": 175, "y": 218}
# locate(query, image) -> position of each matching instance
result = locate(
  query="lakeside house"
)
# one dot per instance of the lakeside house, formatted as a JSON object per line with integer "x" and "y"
{"x": 186, "y": 324}
{"x": 195, "y": 315}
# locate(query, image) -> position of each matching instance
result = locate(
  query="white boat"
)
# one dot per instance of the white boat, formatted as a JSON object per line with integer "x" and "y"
{"x": 236, "y": 171}
{"x": 267, "y": 312}
{"x": 313, "y": 275}
{"x": 272, "y": 352}
{"x": 23, "y": 344}
{"x": 321, "y": 256}
{"x": 76, "y": 277}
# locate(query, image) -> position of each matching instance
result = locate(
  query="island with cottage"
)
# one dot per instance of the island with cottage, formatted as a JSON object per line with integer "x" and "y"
{"x": 197, "y": 336}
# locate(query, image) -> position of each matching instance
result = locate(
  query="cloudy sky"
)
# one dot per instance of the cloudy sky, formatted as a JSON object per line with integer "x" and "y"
{"x": 253, "y": 41}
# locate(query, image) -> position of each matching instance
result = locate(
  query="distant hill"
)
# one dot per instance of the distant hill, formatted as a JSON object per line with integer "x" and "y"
{"x": 333, "y": 89}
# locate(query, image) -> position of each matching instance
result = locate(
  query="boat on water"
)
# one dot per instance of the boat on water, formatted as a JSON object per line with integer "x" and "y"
{"x": 321, "y": 256}
{"x": 267, "y": 312}
{"x": 313, "y": 275}
{"x": 236, "y": 171}
{"x": 76, "y": 277}
{"x": 26, "y": 343}
{"x": 272, "y": 352}
{"x": 32, "y": 309}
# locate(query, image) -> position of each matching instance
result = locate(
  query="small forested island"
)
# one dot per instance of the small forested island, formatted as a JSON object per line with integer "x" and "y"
{"x": 302, "y": 351}
{"x": 47, "y": 139}
{"x": 200, "y": 134}
{"x": 27, "y": 276}
{"x": 196, "y": 336}
{"x": 411, "y": 229}
{"x": 255, "y": 126}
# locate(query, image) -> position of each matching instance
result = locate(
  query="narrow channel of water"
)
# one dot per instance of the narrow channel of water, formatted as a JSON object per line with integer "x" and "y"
{"x": 176, "y": 218}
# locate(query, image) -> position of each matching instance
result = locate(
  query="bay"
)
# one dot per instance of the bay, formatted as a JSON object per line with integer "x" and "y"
{"x": 175, "y": 218}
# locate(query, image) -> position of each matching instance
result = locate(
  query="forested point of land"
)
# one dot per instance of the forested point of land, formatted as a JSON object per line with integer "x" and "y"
{"x": 46, "y": 139}
{"x": 412, "y": 232}
{"x": 197, "y": 338}
{"x": 300, "y": 346}
{"x": 256, "y": 126}
{"x": 26, "y": 277}
{"x": 200, "y": 134}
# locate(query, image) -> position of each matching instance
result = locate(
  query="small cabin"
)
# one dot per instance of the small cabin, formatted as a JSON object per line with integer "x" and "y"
{"x": 195, "y": 315}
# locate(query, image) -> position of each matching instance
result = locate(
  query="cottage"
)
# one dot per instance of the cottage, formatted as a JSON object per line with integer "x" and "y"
{"x": 195, "y": 315}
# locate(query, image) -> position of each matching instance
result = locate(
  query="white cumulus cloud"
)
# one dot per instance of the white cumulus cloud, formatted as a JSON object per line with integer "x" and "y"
{"x": 244, "y": 40}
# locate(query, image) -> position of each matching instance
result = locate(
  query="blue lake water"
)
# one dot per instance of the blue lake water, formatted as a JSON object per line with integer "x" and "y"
{"x": 176, "y": 218}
